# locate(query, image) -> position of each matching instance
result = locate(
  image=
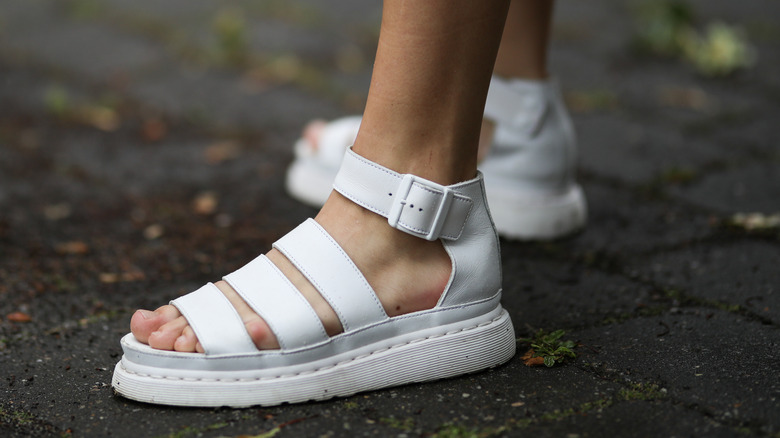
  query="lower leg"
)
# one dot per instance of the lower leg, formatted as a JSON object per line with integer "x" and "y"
{"x": 427, "y": 94}
{"x": 422, "y": 117}
{"x": 523, "y": 50}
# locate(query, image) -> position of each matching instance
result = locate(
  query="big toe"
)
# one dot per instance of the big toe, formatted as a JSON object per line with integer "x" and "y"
{"x": 313, "y": 131}
{"x": 145, "y": 322}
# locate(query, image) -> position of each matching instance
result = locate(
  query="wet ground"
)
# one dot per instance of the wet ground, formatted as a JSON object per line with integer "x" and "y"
{"x": 142, "y": 152}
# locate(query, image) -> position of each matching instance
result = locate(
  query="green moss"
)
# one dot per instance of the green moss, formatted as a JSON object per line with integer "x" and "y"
{"x": 57, "y": 101}
{"x": 456, "y": 431}
{"x": 348, "y": 404}
{"x": 188, "y": 431}
{"x": 230, "y": 30}
{"x": 407, "y": 424}
{"x": 659, "y": 24}
{"x": 641, "y": 391}
{"x": 267, "y": 434}
{"x": 551, "y": 347}
{"x": 677, "y": 175}
{"x": 15, "y": 417}
{"x": 666, "y": 27}
{"x": 687, "y": 300}
{"x": 85, "y": 9}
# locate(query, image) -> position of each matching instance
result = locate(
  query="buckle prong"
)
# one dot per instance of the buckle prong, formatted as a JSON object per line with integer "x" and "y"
{"x": 399, "y": 200}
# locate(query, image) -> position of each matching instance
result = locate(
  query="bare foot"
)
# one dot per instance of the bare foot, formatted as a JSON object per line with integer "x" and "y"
{"x": 407, "y": 273}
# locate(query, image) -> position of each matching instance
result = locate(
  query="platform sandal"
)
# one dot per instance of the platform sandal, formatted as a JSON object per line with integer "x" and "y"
{"x": 466, "y": 331}
{"x": 529, "y": 169}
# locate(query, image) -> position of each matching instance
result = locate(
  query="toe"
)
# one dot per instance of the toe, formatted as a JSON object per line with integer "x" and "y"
{"x": 313, "y": 131}
{"x": 187, "y": 341}
{"x": 145, "y": 322}
{"x": 258, "y": 329}
{"x": 261, "y": 334}
{"x": 165, "y": 337}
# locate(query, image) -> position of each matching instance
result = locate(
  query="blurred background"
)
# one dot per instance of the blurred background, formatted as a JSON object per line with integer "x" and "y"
{"x": 143, "y": 146}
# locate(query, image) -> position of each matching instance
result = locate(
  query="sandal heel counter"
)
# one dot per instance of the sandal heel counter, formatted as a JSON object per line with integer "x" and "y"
{"x": 475, "y": 278}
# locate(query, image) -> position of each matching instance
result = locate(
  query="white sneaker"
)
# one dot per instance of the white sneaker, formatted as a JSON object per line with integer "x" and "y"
{"x": 529, "y": 170}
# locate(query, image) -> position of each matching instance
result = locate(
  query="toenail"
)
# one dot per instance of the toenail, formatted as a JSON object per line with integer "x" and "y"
{"x": 147, "y": 314}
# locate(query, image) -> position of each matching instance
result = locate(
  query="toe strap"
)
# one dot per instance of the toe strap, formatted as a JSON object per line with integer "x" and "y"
{"x": 330, "y": 270}
{"x": 263, "y": 286}
{"x": 215, "y": 321}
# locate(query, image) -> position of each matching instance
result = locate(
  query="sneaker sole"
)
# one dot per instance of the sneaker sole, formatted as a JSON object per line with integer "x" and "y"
{"x": 309, "y": 183}
{"x": 536, "y": 218}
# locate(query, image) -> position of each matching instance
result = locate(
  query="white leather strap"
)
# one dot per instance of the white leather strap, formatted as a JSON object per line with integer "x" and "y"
{"x": 278, "y": 302}
{"x": 215, "y": 322}
{"x": 519, "y": 104}
{"x": 411, "y": 204}
{"x": 314, "y": 252}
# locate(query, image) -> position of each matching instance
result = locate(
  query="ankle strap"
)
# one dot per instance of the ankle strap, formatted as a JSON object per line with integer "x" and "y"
{"x": 411, "y": 204}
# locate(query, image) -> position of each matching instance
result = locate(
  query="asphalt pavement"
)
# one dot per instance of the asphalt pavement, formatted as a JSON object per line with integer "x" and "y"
{"x": 142, "y": 153}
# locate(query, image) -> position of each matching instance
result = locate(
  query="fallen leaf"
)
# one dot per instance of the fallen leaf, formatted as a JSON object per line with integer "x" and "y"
{"x": 108, "y": 277}
{"x": 222, "y": 151}
{"x": 205, "y": 203}
{"x": 103, "y": 118}
{"x": 73, "y": 247}
{"x": 112, "y": 277}
{"x": 56, "y": 212}
{"x": 153, "y": 231}
{"x": 531, "y": 361}
{"x": 153, "y": 130}
{"x": 585, "y": 101}
{"x": 687, "y": 98}
{"x": 756, "y": 221}
{"x": 18, "y": 317}
{"x": 518, "y": 404}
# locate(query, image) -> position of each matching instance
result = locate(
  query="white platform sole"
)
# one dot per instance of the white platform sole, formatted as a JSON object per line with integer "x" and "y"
{"x": 462, "y": 351}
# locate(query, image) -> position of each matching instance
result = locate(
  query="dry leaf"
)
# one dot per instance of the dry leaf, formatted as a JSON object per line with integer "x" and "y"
{"x": 153, "y": 231}
{"x": 73, "y": 247}
{"x": 688, "y": 98}
{"x": 153, "y": 130}
{"x": 56, "y": 212}
{"x": 222, "y": 151}
{"x": 531, "y": 361}
{"x": 103, "y": 118}
{"x": 205, "y": 203}
{"x": 112, "y": 277}
{"x": 18, "y": 317}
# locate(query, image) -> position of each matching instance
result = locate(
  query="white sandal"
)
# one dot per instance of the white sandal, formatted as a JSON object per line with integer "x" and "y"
{"x": 529, "y": 170}
{"x": 466, "y": 331}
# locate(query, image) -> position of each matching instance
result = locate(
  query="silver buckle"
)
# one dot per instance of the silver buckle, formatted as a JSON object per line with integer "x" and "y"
{"x": 399, "y": 201}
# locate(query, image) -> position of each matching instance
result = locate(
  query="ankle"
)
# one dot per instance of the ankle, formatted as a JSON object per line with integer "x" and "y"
{"x": 406, "y": 272}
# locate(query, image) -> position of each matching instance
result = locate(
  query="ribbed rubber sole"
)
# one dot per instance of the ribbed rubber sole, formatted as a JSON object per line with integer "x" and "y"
{"x": 547, "y": 218}
{"x": 459, "y": 352}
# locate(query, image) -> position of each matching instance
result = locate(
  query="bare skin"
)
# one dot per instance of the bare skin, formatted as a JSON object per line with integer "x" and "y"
{"x": 522, "y": 54}
{"x": 419, "y": 119}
